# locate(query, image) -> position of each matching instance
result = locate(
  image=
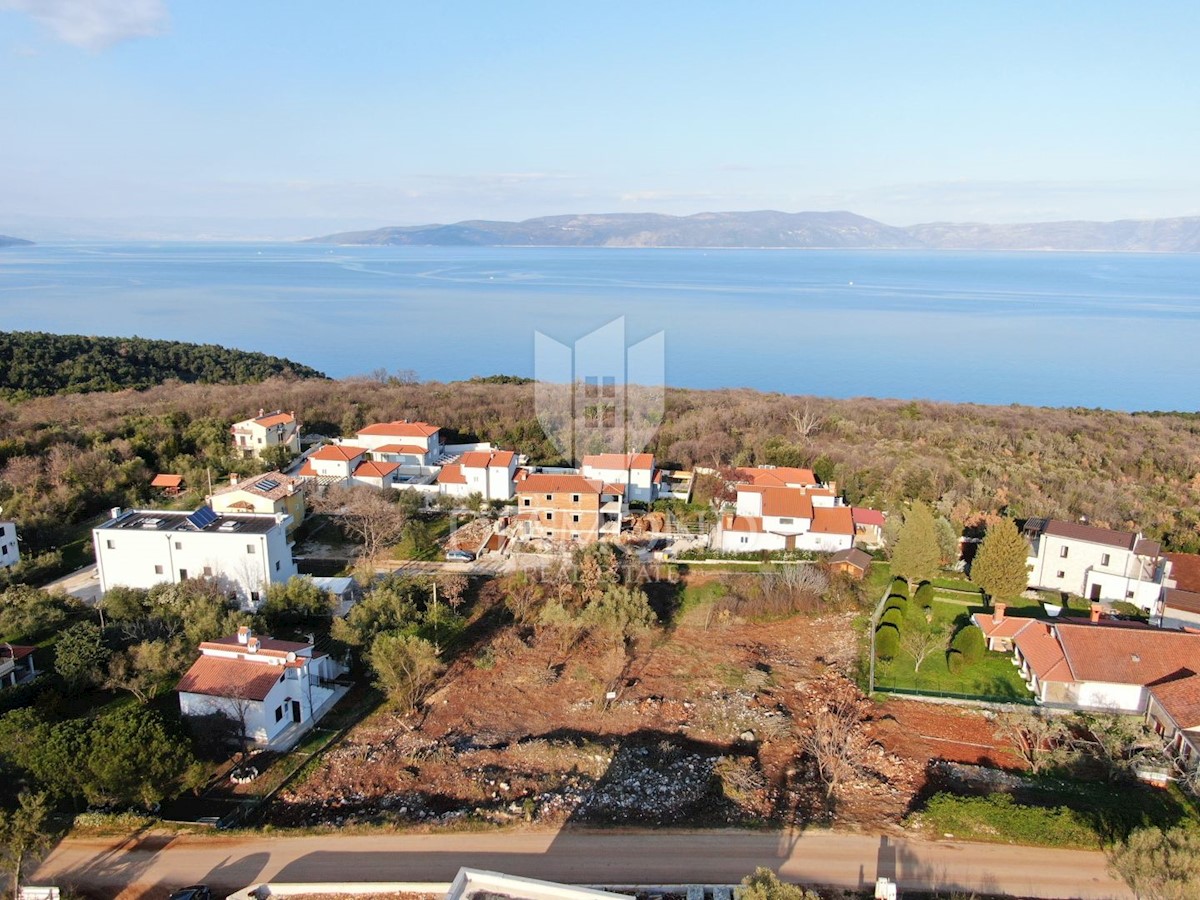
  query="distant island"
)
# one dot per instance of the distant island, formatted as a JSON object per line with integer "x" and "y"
{"x": 804, "y": 230}
{"x": 38, "y": 364}
{"x": 6, "y": 241}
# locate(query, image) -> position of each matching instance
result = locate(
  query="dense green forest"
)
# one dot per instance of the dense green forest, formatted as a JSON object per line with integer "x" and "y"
{"x": 67, "y": 458}
{"x": 37, "y": 364}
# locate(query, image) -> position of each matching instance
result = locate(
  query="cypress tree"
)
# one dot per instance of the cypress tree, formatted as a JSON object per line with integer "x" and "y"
{"x": 1001, "y": 566}
{"x": 916, "y": 555}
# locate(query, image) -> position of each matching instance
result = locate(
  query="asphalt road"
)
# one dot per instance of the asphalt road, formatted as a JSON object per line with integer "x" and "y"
{"x": 152, "y": 865}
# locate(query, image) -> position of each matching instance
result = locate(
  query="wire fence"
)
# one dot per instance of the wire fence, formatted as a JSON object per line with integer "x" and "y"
{"x": 884, "y": 686}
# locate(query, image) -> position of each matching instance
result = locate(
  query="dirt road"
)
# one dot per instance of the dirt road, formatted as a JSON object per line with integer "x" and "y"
{"x": 153, "y": 864}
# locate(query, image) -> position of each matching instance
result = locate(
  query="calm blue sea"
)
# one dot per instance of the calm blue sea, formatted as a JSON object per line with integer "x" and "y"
{"x": 1054, "y": 329}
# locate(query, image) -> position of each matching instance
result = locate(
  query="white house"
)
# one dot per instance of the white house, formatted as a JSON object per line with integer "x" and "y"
{"x": 142, "y": 548}
{"x": 10, "y": 551}
{"x": 634, "y": 470}
{"x": 265, "y": 686}
{"x": 489, "y": 473}
{"x": 252, "y": 436}
{"x": 16, "y": 665}
{"x": 1096, "y": 563}
{"x": 332, "y": 462}
{"x": 416, "y": 443}
{"x": 271, "y": 493}
{"x": 785, "y": 518}
{"x": 1179, "y": 609}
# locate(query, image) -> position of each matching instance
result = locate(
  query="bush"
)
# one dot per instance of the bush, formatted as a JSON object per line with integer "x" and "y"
{"x": 997, "y": 817}
{"x": 893, "y": 616}
{"x": 967, "y": 649}
{"x": 900, "y": 588}
{"x": 924, "y": 595}
{"x": 887, "y": 642}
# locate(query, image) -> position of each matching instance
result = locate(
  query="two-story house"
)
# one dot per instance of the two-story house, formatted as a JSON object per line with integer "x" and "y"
{"x": 635, "y": 471}
{"x": 269, "y": 690}
{"x": 403, "y": 442}
{"x": 489, "y": 473}
{"x": 1096, "y": 563}
{"x": 570, "y": 508}
{"x": 272, "y": 494}
{"x": 144, "y": 547}
{"x": 771, "y": 517}
{"x": 252, "y": 436}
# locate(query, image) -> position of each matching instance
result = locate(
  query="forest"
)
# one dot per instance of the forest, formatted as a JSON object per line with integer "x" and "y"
{"x": 69, "y": 457}
{"x": 37, "y": 364}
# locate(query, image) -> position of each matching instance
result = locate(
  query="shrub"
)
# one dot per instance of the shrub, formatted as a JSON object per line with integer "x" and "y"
{"x": 997, "y": 817}
{"x": 900, "y": 588}
{"x": 887, "y": 642}
{"x": 924, "y": 595}
{"x": 893, "y": 616}
{"x": 969, "y": 644}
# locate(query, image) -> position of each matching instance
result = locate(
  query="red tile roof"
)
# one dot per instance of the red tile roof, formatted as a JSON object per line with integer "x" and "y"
{"x": 864, "y": 516}
{"x": 1183, "y": 601}
{"x": 451, "y": 474}
{"x": 342, "y": 452}
{"x": 279, "y": 418}
{"x": 543, "y": 483}
{"x": 832, "y": 520}
{"x": 15, "y": 651}
{"x": 781, "y": 476}
{"x": 1008, "y": 626}
{"x": 401, "y": 428}
{"x": 267, "y": 646}
{"x": 1180, "y": 697}
{"x": 1185, "y": 569}
{"x": 1122, "y": 655}
{"x": 485, "y": 459}
{"x": 787, "y": 502}
{"x": 1042, "y": 652}
{"x": 372, "y": 469}
{"x": 751, "y": 524}
{"x": 1075, "y": 531}
{"x": 410, "y": 449}
{"x": 307, "y": 469}
{"x": 637, "y": 461}
{"x": 167, "y": 481}
{"x": 217, "y": 676}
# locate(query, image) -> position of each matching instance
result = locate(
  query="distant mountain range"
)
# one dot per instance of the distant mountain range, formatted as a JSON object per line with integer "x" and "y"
{"x": 6, "y": 241}
{"x": 814, "y": 230}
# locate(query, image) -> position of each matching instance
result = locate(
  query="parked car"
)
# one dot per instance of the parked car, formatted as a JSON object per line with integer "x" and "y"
{"x": 193, "y": 892}
{"x": 460, "y": 556}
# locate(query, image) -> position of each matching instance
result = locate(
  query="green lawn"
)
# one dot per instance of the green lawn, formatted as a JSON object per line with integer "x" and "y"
{"x": 994, "y": 677}
{"x": 423, "y": 538}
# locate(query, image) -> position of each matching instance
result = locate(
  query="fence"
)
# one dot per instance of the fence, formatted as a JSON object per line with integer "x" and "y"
{"x": 891, "y": 688}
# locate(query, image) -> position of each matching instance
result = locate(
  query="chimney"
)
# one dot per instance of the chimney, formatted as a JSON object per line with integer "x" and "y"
{"x": 252, "y": 645}
{"x": 244, "y": 634}
{"x": 998, "y": 612}
{"x": 233, "y": 478}
{"x": 115, "y": 512}
{"x": 261, "y": 412}
{"x": 1095, "y": 614}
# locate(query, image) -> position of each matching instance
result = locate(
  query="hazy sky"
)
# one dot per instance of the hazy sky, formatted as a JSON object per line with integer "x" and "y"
{"x": 285, "y": 117}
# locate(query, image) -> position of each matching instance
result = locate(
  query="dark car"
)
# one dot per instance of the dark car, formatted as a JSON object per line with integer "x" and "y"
{"x": 194, "y": 892}
{"x": 460, "y": 555}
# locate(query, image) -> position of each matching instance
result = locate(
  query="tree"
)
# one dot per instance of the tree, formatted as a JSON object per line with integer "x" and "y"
{"x": 1158, "y": 864}
{"x": 765, "y": 885}
{"x": 277, "y": 457}
{"x": 920, "y": 642}
{"x": 146, "y": 667}
{"x": 405, "y": 667}
{"x": 916, "y": 555}
{"x": 619, "y": 614}
{"x": 947, "y": 539}
{"x": 298, "y": 600}
{"x": 966, "y": 649}
{"x": 1034, "y": 735}
{"x": 80, "y": 655}
{"x": 1001, "y": 567}
{"x": 392, "y": 604}
{"x": 23, "y": 834}
{"x": 134, "y": 758}
{"x": 1114, "y": 742}
{"x": 369, "y": 514}
{"x": 834, "y": 739}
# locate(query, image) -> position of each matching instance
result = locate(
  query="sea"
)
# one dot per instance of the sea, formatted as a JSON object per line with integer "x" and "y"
{"x": 1119, "y": 331}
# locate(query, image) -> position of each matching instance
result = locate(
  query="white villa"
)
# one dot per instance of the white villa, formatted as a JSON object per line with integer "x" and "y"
{"x": 785, "y": 509}
{"x": 489, "y": 473}
{"x": 273, "y": 690}
{"x": 142, "y": 548}
{"x": 252, "y": 436}
{"x": 1096, "y": 563}
{"x": 635, "y": 471}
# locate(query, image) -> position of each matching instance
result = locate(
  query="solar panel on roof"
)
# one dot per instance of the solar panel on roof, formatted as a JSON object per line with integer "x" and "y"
{"x": 202, "y": 518}
{"x": 267, "y": 484}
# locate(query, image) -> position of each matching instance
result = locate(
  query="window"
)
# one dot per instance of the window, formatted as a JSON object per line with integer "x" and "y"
{"x": 276, "y": 565}
{"x": 549, "y": 517}
{"x": 786, "y": 521}
{"x": 279, "y": 714}
{"x": 1063, "y": 551}
{"x": 178, "y": 546}
{"x": 575, "y": 535}
{"x": 1104, "y": 559}
{"x": 110, "y": 545}
{"x": 183, "y": 574}
{"x": 575, "y": 517}
{"x": 527, "y": 501}
{"x": 549, "y": 534}
{"x": 254, "y": 596}
{"x": 158, "y": 570}
{"x": 208, "y": 571}
{"x": 250, "y": 548}
{"x": 1060, "y": 574}
{"x": 549, "y": 497}
{"x": 2, "y": 532}
{"x": 1129, "y": 595}
{"x": 744, "y": 540}
{"x": 574, "y": 498}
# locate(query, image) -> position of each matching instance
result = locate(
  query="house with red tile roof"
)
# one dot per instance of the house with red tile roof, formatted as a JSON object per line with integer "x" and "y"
{"x": 252, "y": 436}
{"x": 634, "y": 470}
{"x": 489, "y": 473}
{"x": 868, "y": 526}
{"x": 1096, "y": 563}
{"x": 273, "y": 691}
{"x": 333, "y": 462}
{"x": 1173, "y": 710}
{"x": 402, "y": 438}
{"x": 772, "y": 517}
{"x": 568, "y": 508}
{"x": 16, "y": 665}
{"x": 1179, "y": 609}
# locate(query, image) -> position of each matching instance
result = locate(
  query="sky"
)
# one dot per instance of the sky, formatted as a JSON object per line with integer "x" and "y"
{"x": 288, "y": 118}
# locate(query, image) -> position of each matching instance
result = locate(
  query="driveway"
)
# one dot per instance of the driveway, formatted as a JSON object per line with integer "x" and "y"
{"x": 83, "y": 584}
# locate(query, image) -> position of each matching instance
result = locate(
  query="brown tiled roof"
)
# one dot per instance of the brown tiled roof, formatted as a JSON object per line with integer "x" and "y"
{"x": 864, "y": 516}
{"x": 787, "y": 502}
{"x": 1008, "y": 626}
{"x": 832, "y": 520}
{"x": 166, "y": 481}
{"x": 218, "y": 676}
{"x": 278, "y": 418}
{"x": 484, "y": 459}
{"x": 1185, "y": 569}
{"x": 620, "y": 460}
{"x": 372, "y": 469}
{"x": 752, "y": 524}
{"x": 1122, "y": 655}
{"x": 15, "y": 651}
{"x": 252, "y": 485}
{"x": 1146, "y": 547}
{"x": 1179, "y": 695}
{"x": 451, "y": 474}
{"x": 401, "y": 429}
{"x": 860, "y": 559}
{"x": 1042, "y": 652}
{"x": 267, "y": 646}
{"x": 1184, "y": 601}
{"x": 781, "y": 476}
{"x": 411, "y": 449}
{"x": 343, "y": 452}
{"x": 543, "y": 483}
{"x": 1075, "y": 531}
{"x": 610, "y": 488}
